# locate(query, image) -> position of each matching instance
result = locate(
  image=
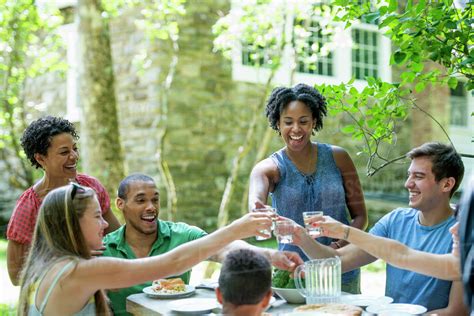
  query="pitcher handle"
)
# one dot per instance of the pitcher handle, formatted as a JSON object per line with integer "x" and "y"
{"x": 299, "y": 284}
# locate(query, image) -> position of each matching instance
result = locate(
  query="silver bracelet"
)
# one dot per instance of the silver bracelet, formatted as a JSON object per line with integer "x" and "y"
{"x": 346, "y": 232}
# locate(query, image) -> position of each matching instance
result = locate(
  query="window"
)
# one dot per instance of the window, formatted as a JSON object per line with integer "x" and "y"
{"x": 255, "y": 56}
{"x": 459, "y": 106}
{"x": 364, "y": 53}
{"x": 315, "y": 58}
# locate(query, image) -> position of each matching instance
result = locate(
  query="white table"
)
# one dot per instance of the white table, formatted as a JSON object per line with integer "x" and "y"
{"x": 141, "y": 304}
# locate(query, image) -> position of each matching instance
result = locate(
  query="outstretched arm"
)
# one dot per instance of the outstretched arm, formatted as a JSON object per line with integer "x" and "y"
{"x": 352, "y": 257}
{"x": 98, "y": 273}
{"x": 285, "y": 260}
{"x": 444, "y": 266}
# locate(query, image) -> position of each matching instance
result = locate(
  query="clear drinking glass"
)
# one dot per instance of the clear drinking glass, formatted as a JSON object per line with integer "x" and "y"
{"x": 284, "y": 231}
{"x": 312, "y": 231}
{"x": 273, "y": 215}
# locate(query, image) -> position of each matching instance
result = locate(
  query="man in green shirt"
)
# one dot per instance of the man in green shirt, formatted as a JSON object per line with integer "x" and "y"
{"x": 144, "y": 235}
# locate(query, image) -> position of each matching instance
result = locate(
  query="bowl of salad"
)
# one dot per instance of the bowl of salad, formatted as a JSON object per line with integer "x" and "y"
{"x": 284, "y": 286}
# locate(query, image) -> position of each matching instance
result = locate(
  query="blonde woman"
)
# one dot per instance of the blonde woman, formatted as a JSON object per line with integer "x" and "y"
{"x": 60, "y": 277}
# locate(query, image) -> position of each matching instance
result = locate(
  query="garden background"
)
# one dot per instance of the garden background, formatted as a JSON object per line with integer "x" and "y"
{"x": 176, "y": 89}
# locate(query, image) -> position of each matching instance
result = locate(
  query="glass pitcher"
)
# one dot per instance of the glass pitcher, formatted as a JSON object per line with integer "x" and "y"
{"x": 322, "y": 280}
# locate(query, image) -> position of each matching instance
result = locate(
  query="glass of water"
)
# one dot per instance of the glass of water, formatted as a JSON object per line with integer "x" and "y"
{"x": 273, "y": 215}
{"x": 312, "y": 231}
{"x": 284, "y": 231}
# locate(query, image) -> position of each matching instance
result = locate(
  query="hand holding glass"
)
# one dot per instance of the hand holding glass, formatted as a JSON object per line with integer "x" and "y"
{"x": 273, "y": 214}
{"x": 284, "y": 231}
{"x": 312, "y": 231}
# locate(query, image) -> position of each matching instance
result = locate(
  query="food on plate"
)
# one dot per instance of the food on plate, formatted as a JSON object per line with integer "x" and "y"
{"x": 338, "y": 309}
{"x": 282, "y": 279}
{"x": 169, "y": 286}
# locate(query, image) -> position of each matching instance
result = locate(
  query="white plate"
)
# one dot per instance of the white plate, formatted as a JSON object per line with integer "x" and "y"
{"x": 393, "y": 309}
{"x": 363, "y": 300}
{"x": 194, "y": 305}
{"x": 272, "y": 301}
{"x": 151, "y": 293}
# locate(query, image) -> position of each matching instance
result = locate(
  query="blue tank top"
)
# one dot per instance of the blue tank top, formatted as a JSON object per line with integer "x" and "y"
{"x": 322, "y": 190}
{"x": 88, "y": 310}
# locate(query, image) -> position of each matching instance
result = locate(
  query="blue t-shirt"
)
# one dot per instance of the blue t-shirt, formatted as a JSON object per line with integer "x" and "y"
{"x": 404, "y": 286}
{"x": 322, "y": 190}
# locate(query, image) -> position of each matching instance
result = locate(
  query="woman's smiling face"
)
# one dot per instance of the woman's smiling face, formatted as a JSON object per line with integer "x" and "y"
{"x": 61, "y": 158}
{"x": 296, "y": 125}
{"x": 93, "y": 225}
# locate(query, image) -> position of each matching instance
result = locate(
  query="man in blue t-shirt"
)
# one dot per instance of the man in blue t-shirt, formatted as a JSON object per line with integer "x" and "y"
{"x": 435, "y": 172}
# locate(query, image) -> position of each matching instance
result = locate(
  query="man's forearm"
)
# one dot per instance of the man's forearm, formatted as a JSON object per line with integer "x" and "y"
{"x": 237, "y": 244}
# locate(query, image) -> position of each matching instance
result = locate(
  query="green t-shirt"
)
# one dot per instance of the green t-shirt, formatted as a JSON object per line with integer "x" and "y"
{"x": 170, "y": 236}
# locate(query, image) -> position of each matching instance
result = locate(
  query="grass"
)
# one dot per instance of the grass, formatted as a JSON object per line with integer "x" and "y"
{"x": 8, "y": 297}
{"x": 3, "y": 253}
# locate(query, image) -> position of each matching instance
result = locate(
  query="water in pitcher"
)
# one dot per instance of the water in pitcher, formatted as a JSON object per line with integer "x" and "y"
{"x": 323, "y": 280}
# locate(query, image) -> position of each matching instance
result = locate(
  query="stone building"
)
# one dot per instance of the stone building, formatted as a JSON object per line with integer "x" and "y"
{"x": 208, "y": 110}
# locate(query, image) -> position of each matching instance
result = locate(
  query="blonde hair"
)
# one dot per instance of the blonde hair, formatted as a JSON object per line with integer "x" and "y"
{"x": 58, "y": 236}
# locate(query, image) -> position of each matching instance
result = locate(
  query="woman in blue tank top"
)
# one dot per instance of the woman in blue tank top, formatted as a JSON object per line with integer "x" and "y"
{"x": 305, "y": 176}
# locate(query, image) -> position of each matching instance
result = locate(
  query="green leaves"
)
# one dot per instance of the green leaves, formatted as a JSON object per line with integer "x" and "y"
{"x": 399, "y": 57}
{"x": 452, "y": 82}
{"x": 30, "y": 47}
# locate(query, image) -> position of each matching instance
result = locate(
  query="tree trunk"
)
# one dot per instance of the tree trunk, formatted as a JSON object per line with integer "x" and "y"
{"x": 104, "y": 158}
{"x": 160, "y": 124}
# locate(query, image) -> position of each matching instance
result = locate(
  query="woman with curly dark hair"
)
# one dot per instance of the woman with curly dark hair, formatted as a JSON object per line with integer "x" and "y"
{"x": 307, "y": 176}
{"x": 50, "y": 144}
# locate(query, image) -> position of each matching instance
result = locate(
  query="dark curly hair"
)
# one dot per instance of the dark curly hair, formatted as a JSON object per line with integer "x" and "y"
{"x": 37, "y": 136}
{"x": 282, "y": 96}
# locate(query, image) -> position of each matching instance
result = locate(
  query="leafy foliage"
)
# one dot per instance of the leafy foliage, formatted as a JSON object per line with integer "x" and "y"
{"x": 439, "y": 31}
{"x": 29, "y": 48}
{"x": 260, "y": 29}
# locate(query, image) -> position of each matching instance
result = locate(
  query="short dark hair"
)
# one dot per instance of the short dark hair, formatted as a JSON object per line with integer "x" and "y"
{"x": 37, "y": 136}
{"x": 445, "y": 159}
{"x": 245, "y": 277}
{"x": 125, "y": 183}
{"x": 282, "y": 96}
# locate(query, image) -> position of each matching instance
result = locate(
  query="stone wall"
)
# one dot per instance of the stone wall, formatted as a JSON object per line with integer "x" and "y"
{"x": 208, "y": 112}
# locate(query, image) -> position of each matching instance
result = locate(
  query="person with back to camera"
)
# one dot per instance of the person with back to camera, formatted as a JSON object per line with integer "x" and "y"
{"x": 415, "y": 238}
{"x": 466, "y": 236}
{"x": 244, "y": 283}
{"x": 59, "y": 279}
{"x": 145, "y": 234}
{"x": 307, "y": 176}
{"x": 50, "y": 144}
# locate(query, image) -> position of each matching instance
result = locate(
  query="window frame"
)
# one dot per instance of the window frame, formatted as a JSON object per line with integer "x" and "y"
{"x": 341, "y": 58}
